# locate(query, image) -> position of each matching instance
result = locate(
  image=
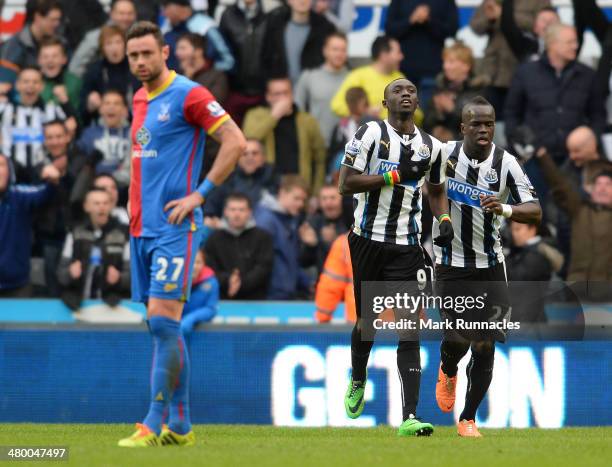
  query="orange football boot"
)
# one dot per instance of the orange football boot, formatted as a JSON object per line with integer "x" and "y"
{"x": 467, "y": 429}
{"x": 445, "y": 391}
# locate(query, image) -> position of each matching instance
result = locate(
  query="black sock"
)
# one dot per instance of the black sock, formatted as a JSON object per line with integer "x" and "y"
{"x": 360, "y": 353}
{"x": 479, "y": 372}
{"x": 451, "y": 353}
{"x": 409, "y": 367}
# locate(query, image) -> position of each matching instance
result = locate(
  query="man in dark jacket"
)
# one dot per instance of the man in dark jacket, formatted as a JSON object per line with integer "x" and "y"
{"x": 555, "y": 94}
{"x": 421, "y": 27}
{"x": 252, "y": 177}
{"x": 551, "y": 97}
{"x": 52, "y": 222}
{"x": 244, "y": 26}
{"x": 294, "y": 39}
{"x": 280, "y": 216}
{"x": 240, "y": 253}
{"x": 16, "y": 205}
{"x": 530, "y": 264}
{"x": 95, "y": 258}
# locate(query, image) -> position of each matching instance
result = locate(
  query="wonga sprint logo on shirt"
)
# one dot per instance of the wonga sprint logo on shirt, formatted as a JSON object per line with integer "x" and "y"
{"x": 143, "y": 137}
{"x": 465, "y": 193}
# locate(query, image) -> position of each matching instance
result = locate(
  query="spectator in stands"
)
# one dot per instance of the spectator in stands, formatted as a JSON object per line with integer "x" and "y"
{"x": 291, "y": 137}
{"x": 43, "y": 18}
{"x": 181, "y": 19}
{"x": 455, "y": 86}
{"x": 340, "y": 13}
{"x": 499, "y": 63}
{"x": 323, "y": 227}
{"x": 110, "y": 72}
{"x": 244, "y": 26}
{"x": 16, "y": 205}
{"x": 551, "y": 97}
{"x": 584, "y": 159}
{"x": 587, "y": 14}
{"x": 358, "y": 105}
{"x": 591, "y": 220}
{"x": 52, "y": 222}
{"x": 316, "y": 87}
{"x": 421, "y": 27}
{"x": 280, "y": 216}
{"x": 530, "y": 260}
{"x": 147, "y": 10}
{"x": 240, "y": 253}
{"x": 61, "y": 86}
{"x": 78, "y": 18}
{"x": 294, "y": 39}
{"x": 336, "y": 283}
{"x": 252, "y": 177}
{"x": 22, "y": 123}
{"x": 107, "y": 141}
{"x": 191, "y": 55}
{"x": 204, "y": 300}
{"x": 122, "y": 15}
{"x": 386, "y": 59}
{"x": 108, "y": 183}
{"x": 95, "y": 258}
{"x": 526, "y": 44}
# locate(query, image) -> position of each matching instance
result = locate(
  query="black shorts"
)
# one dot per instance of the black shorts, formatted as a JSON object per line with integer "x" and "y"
{"x": 401, "y": 266}
{"x": 474, "y": 296}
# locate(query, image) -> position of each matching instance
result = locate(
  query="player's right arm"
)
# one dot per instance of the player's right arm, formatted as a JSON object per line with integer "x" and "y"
{"x": 203, "y": 111}
{"x": 357, "y": 154}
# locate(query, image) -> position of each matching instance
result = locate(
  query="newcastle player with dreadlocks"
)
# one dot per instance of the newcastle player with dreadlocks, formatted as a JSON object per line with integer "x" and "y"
{"x": 481, "y": 177}
{"x": 385, "y": 167}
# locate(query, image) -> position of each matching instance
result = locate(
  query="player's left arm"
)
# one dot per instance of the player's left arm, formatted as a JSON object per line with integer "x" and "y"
{"x": 202, "y": 110}
{"x": 527, "y": 209}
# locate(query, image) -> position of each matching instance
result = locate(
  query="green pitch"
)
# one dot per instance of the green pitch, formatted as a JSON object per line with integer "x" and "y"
{"x": 239, "y": 445}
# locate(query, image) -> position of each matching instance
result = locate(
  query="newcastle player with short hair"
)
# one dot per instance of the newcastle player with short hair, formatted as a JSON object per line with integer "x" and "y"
{"x": 385, "y": 167}
{"x": 480, "y": 179}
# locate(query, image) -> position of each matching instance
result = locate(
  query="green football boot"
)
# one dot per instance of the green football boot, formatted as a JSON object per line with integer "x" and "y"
{"x": 354, "y": 400}
{"x": 415, "y": 427}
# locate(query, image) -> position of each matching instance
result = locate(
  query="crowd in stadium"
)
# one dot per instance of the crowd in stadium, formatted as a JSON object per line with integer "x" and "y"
{"x": 276, "y": 229}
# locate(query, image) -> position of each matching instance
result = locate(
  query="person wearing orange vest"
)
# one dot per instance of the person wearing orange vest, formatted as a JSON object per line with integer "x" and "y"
{"x": 336, "y": 283}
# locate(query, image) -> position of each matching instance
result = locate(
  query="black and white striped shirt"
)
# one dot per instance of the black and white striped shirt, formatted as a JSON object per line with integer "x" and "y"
{"x": 22, "y": 133}
{"x": 477, "y": 241}
{"x": 391, "y": 214}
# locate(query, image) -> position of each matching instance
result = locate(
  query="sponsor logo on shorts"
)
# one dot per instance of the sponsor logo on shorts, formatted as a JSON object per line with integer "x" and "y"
{"x": 170, "y": 286}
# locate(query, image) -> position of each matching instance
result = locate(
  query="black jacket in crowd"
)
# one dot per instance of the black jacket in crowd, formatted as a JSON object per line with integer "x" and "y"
{"x": 245, "y": 37}
{"x": 552, "y": 106}
{"x": 250, "y": 251}
{"x": 111, "y": 242}
{"x": 422, "y": 44}
{"x": 523, "y": 44}
{"x": 529, "y": 272}
{"x": 274, "y": 58}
